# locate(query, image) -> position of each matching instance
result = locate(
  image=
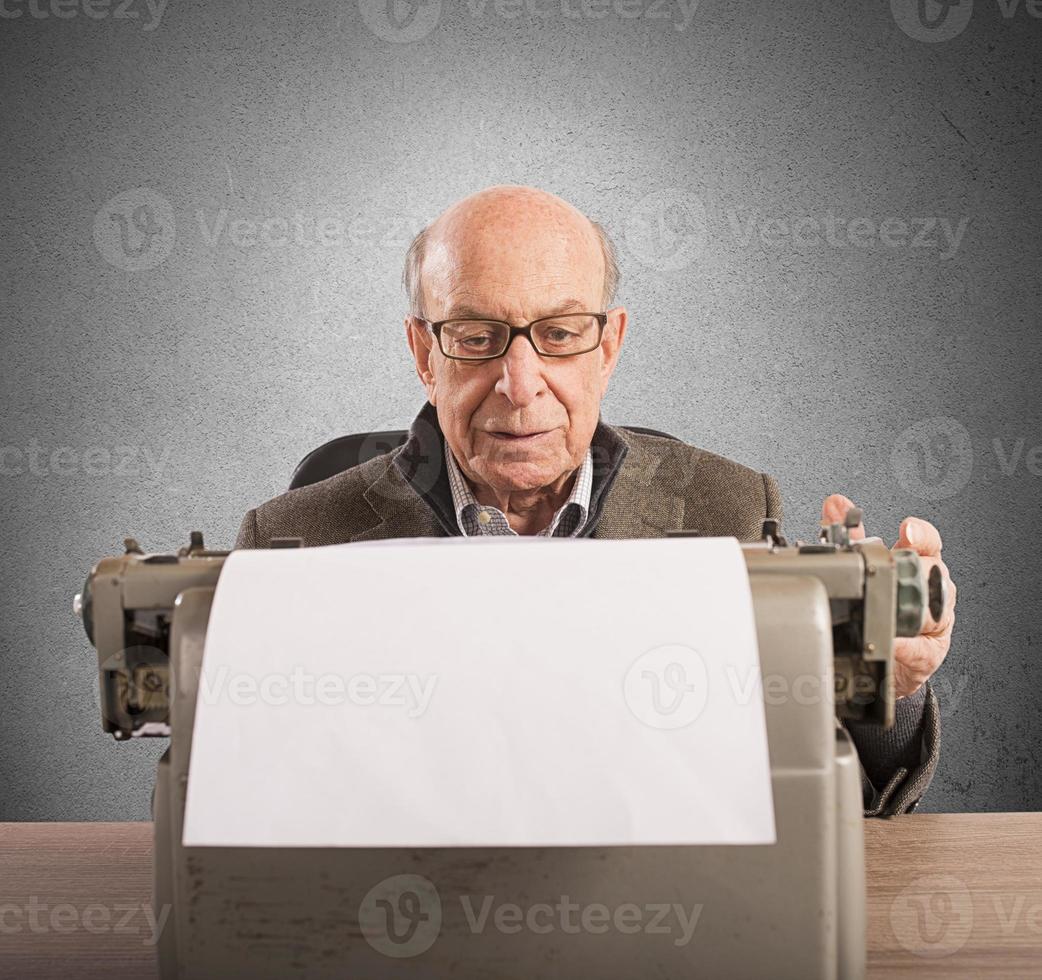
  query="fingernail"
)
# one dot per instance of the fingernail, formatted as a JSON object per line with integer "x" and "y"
{"x": 912, "y": 533}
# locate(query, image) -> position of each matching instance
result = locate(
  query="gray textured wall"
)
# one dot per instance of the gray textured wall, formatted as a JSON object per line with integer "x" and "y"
{"x": 828, "y": 224}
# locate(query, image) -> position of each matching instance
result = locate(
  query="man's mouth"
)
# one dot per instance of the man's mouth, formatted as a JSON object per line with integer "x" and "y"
{"x": 519, "y": 438}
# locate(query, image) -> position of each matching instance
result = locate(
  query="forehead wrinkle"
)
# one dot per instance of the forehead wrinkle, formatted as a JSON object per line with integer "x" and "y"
{"x": 523, "y": 297}
{"x": 466, "y": 309}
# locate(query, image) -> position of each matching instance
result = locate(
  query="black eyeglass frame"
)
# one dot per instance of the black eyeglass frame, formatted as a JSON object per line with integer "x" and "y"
{"x": 525, "y": 331}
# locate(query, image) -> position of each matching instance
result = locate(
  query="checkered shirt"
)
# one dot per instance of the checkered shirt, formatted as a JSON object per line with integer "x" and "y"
{"x": 476, "y": 519}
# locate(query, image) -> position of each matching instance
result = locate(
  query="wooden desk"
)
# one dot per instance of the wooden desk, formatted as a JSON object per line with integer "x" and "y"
{"x": 949, "y": 895}
{"x": 955, "y": 895}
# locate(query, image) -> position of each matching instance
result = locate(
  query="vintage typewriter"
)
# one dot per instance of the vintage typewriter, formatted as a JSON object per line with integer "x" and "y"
{"x": 828, "y": 609}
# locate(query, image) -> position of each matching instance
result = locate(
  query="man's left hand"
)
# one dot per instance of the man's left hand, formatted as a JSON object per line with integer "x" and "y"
{"x": 915, "y": 658}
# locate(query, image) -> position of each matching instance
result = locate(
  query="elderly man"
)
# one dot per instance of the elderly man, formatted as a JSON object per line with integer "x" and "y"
{"x": 514, "y": 339}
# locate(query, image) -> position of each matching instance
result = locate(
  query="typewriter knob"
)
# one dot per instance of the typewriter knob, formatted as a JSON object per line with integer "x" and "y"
{"x": 83, "y": 608}
{"x": 913, "y": 595}
{"x": 937, "y": 591}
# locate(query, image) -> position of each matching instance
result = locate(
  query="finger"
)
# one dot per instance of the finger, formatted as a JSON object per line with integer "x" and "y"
{"x": 834, "y": 511}
{"x": 919, "y": 535}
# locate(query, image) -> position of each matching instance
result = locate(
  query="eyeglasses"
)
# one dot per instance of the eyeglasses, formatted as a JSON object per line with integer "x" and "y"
{"x": 564, "y": 335}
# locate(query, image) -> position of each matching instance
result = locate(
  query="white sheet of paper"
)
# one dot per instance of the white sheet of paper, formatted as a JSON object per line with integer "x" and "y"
{"x": 481, "y": 692}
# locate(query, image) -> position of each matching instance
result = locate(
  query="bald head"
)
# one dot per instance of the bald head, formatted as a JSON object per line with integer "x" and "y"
{"x": 504, "y": 223}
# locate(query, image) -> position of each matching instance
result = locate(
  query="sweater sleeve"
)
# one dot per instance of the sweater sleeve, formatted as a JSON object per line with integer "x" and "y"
{"x": 897, "y": 764}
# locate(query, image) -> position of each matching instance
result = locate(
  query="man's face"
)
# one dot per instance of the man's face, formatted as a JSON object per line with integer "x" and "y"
{"x": 522, "y": 421}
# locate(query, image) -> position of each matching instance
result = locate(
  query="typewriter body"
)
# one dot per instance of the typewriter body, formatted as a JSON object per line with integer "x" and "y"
{"x": 829, "y": 611}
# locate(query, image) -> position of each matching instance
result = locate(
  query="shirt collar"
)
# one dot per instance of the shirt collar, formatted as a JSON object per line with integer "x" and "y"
{"x": 468, "y": 509}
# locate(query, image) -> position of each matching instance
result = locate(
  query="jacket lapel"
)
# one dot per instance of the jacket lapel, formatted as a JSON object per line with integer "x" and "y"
{"x": 639, "y": 503}
{"x": 401, "y": 512}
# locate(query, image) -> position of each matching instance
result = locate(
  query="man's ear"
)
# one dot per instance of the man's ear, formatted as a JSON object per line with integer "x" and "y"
{"x": 421, "y": 343}
{"x": 611, "y": 342}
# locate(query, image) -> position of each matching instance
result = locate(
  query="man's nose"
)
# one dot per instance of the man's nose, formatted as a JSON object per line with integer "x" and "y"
{"x": 520, "y": 373}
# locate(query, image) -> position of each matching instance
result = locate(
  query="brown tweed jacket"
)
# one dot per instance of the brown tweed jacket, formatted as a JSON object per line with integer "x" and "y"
{"x": 644, "y": 486}
{"x": 662, "y": 485}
